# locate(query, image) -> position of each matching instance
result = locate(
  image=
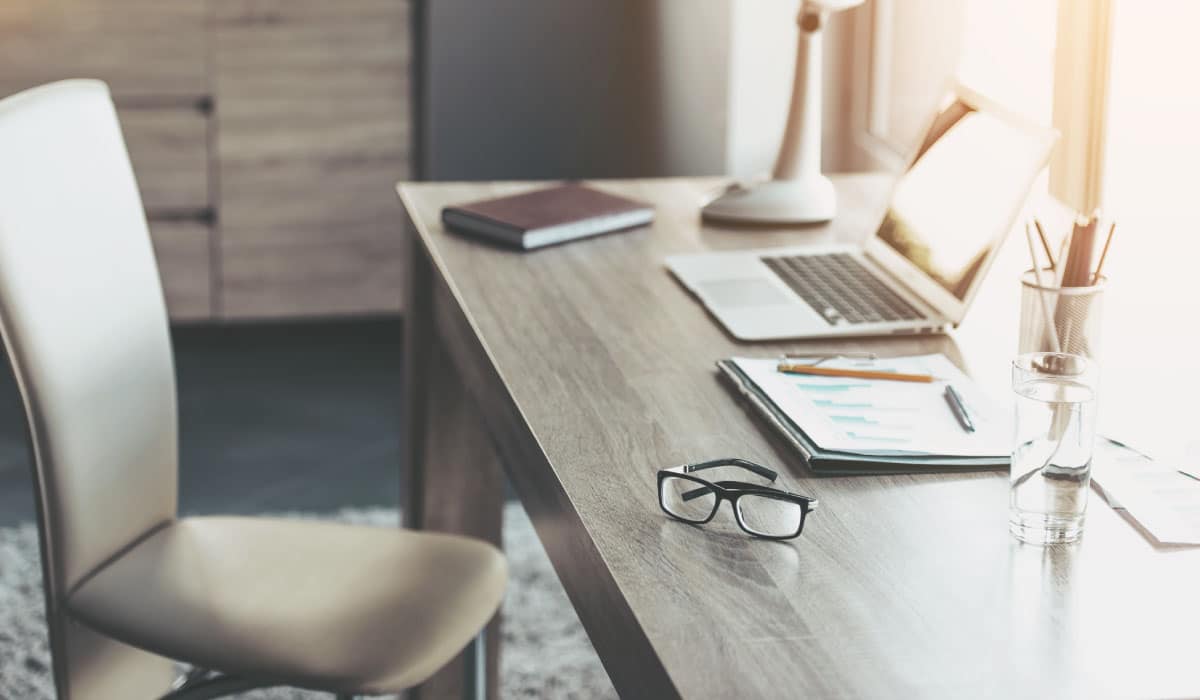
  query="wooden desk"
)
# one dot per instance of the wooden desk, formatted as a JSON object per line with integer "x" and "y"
{"x": 586, "y": 367}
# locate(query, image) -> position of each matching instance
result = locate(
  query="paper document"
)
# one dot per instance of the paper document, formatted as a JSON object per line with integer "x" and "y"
{"x": 1155, "y": 494}
{"x": 882, "y": 416}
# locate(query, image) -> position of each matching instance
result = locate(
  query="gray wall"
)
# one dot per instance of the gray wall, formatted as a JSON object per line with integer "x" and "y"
{"x": 538, "y": 89}
{"x": 532, "y": 89}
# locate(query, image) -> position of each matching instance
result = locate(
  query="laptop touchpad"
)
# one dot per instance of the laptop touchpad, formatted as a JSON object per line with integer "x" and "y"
{"x": 742, "y": 292}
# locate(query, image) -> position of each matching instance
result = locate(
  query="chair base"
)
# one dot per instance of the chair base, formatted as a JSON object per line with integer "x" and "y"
{"x": 203, "y": 684}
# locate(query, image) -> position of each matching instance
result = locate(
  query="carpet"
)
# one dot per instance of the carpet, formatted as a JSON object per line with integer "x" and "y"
{"x": 546, "y": 652}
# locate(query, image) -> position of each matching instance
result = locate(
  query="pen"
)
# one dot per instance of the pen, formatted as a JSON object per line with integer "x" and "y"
{"x": 800, "y": 368}
{"x": 959, "y": 409}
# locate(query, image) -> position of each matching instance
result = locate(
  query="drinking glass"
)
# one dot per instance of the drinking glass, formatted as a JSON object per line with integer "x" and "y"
{"x": 1055, "y": 428}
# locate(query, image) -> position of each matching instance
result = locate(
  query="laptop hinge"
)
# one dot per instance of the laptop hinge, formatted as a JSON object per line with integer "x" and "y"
{"x": 933, "y": 315}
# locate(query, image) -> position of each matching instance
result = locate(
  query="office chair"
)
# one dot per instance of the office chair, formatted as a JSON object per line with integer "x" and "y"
{"x": 247, "y": 602}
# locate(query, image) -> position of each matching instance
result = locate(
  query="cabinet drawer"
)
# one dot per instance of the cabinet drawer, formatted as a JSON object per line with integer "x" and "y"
{"x": 183, "y": 250}
{"x": 340, "y": 277}
{"x": 169, "y": 150}
{"x": 142, "y": 48}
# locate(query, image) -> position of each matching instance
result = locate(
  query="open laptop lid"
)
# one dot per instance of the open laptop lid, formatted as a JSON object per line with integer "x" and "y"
{"x": 951, "y": 209}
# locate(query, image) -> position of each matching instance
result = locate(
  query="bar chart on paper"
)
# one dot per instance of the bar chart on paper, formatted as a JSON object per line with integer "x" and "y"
{"x": 880, "y": 416}
{"x": 851, "y": 408}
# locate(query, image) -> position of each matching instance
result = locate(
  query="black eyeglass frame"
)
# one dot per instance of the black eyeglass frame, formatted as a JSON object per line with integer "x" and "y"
{"x": 729, "y": 490}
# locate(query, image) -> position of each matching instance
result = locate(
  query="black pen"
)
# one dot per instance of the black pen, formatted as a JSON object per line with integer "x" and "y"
{"x": 959, "y": 409}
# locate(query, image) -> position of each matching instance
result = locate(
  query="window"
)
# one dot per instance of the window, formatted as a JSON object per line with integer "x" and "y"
{"x": 1151, "y": 150}
{"x": 1115, "y": 77}
{"x": 914, "y": 48}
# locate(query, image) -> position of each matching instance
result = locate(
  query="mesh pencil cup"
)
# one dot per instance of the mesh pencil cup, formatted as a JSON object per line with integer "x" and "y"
{"x": 1073, "y": 312}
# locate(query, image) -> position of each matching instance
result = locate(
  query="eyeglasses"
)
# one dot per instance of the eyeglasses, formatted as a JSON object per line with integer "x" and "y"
{"x": 762, "y": 511}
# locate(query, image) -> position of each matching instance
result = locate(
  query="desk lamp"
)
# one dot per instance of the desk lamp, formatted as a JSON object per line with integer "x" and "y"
{"x": 797, "y": 192}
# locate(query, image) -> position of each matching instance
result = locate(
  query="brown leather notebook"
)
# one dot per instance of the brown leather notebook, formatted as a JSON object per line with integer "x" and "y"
{"x": 547, "y": 216}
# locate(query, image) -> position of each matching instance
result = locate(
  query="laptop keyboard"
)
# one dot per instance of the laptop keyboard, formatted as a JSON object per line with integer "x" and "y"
{"x": 839, "y": 288}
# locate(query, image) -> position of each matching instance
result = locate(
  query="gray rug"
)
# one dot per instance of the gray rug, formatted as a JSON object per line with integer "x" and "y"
{"x": 546, "y": 652}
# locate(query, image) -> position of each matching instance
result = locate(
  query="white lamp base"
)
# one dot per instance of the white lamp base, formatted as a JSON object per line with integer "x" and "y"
{"x": 805, "y": 201}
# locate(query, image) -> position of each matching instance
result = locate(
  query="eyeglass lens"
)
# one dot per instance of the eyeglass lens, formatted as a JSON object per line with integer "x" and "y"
{"x": 686, "y": 499}
{"x": 769, "y": 517}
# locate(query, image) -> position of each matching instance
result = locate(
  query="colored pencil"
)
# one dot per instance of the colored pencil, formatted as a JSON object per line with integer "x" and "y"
{"x": 796, "y": 368}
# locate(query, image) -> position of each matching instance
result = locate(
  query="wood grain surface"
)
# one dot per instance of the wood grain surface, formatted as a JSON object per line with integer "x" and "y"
{"x": 169, "y": 150}
{"x": 141, "y": 48}
{"x": 592, "y": 368}
{"x": 312, "y": 116}
{"x": 183, "y": 250}
{"x": 278, "y": 123}
{"x": 443, "y": 426}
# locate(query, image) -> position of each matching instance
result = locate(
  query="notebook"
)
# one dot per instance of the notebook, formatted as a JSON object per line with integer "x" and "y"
{"x": 859, "y": 426}
{"x": 547, "y": 216}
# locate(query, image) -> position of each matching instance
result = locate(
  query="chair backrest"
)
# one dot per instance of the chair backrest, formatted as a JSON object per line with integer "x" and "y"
{"x": 85, "y": 326}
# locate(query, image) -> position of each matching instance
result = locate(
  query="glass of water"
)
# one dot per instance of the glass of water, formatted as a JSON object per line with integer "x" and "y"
{"x": 1055, "y": 428}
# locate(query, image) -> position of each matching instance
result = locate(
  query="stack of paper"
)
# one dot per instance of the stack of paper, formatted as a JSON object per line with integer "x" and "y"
{"x": 844, "y": 424}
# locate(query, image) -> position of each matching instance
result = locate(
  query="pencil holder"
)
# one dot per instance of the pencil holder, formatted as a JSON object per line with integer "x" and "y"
{"x": 1060, "y": 319}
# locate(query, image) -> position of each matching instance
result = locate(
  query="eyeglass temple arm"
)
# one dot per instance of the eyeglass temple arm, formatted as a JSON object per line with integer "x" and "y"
{"x": 732, "y": 462}
{"x": 759, "y": 469}
{"x": 756, "y": 468}
{"x": 809, "y": 501}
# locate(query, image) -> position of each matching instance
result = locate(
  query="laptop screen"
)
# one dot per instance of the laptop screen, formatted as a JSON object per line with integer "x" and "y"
{"x": 955, "y": 201}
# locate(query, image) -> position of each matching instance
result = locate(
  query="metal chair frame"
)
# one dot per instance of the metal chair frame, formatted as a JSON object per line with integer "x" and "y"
{"x": 205, "y": 684}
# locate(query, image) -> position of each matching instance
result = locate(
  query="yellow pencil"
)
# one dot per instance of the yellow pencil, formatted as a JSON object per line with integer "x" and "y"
{"x": 798, "y": 368}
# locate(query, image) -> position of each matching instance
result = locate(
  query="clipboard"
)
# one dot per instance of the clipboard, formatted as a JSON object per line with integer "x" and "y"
{"x": 838, "y": 462}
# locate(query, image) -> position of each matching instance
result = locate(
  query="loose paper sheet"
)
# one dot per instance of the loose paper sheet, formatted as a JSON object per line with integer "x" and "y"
{"x": 1154, "y": 493}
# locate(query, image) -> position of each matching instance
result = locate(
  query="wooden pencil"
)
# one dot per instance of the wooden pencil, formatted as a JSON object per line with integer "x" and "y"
{"x": 797, "y": 368}
{"x": 1079, "y": 256}
{"x": 1104, "y": 253}
{"x": 1045, "y": 242}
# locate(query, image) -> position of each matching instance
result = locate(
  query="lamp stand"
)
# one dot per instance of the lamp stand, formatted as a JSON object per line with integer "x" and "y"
{"x": 797, "y": 193}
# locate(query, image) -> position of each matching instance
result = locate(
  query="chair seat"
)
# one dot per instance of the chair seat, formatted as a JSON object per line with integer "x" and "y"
{"x": 311, "y": 604}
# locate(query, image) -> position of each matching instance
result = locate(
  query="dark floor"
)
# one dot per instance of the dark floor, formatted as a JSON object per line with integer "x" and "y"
{"x": 273, "y": 417}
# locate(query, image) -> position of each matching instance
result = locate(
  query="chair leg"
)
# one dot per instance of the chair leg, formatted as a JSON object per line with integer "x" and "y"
{"x": 475, "y": 669}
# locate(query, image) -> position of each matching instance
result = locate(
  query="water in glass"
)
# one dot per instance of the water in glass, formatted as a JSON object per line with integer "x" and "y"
{"x": 1052, "y": 453}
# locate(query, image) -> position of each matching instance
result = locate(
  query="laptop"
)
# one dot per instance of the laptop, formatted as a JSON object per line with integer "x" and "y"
{"x": 945, "y": 220}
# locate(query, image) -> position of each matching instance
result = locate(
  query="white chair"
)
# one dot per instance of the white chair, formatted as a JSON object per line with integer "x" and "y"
{"x": 249, "y": 602}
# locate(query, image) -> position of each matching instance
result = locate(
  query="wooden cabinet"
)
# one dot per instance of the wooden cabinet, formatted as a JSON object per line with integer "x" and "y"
{"x": 266, "y": 136}
{"x": 312, "y": 118}
{"x": 169, "y": 147}
{"x": 185, "y": 263}
{"x": 154, "y": 57}
{"x": 144, "y": 49}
